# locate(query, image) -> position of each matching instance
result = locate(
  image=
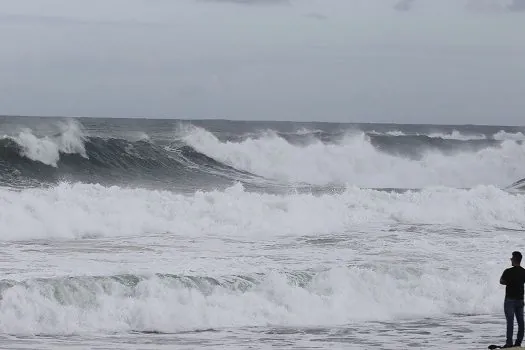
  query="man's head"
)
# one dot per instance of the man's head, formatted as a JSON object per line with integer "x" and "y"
{"x": 516, "y": 258}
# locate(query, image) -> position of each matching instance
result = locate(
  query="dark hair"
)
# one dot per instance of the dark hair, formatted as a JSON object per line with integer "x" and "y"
{"x": 516, "y": 256}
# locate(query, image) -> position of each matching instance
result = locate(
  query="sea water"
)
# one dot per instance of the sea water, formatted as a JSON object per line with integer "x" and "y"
{"x": 164, "y": 234}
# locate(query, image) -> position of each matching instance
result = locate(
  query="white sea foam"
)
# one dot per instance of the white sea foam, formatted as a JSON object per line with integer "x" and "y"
{"x": 79, "y": 210}
{"x": 380, "y": 271}
{"x": 47, "y": 149}
{"x": 354, "y": 160}
{"x": 502, "y": 135}
{"x": 457, "y": 135}
{"x": 335, "y": 297}
{"x": 453, "y": 135}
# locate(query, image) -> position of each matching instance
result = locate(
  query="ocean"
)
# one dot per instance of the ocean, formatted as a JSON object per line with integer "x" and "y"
{"x": 216, "y": 234}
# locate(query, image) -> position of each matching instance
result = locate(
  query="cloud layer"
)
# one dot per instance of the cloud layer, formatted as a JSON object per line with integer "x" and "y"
{"x": 347, "y": 60}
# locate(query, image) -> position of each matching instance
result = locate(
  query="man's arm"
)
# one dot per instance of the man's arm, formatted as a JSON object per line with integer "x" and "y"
{"x": 503, "y": 279}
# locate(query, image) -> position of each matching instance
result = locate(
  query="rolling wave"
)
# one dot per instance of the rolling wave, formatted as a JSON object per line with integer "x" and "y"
{"x": 29, "y": 161}
{"x": 174, "y": 303}
{"x": 417, "y": 146}
{"x": 517, "y": 186}
{"x": 195, "y": 156}
{"x": 88, "y": 211}
{"x": 372, "y": 161}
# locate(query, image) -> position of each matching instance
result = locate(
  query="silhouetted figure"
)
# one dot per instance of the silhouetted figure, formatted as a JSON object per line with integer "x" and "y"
{"x": 514, "y": 280}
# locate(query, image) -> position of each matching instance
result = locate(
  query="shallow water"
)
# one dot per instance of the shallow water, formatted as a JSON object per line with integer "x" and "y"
{"x": 455, "y": 332}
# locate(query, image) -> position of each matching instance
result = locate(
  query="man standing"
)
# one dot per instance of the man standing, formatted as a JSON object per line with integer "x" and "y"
{"x": 514, "y": 279}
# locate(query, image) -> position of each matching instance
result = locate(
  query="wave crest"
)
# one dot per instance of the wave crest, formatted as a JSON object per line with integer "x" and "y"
{"x": 359, "y": 159}
{"x": 171, "y": 303}
{"x": 195, "y": 157}
{"x": 79, "y": 211}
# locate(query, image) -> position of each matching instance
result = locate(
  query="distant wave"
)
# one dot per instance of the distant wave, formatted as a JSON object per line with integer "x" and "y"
{"x": 373, "y": 161}
{"x": 517, "y": 186}
{"x": 457, "y": 135}
{"x": 195, "y": 157}
{"x": 26, "y": 159}
{"x": 417, "y": 146}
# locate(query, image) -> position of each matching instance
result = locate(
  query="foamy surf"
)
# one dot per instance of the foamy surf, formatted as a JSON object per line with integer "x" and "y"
{"x": 80, "y": 210}
{"x": 275, "y": 233}
{"x": 47, "y": 149}
{"x": 171, "y": 303}
{"x": 354, "y": 160}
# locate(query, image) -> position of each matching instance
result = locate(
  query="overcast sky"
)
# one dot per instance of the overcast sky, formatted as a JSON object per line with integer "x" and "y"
{"x": 402, "y": 61}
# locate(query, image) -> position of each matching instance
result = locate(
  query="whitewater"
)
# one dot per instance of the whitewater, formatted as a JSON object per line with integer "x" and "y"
{"x": 162, "y": 234}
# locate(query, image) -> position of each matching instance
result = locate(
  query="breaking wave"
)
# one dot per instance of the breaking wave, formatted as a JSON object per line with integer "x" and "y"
{"x": 194, "y": 157}
{"x": 373, "y": 161}
{"x": 174, "y": 303}
{"x": 83, "y": 211}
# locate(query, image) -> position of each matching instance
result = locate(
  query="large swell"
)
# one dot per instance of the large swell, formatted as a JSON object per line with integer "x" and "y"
{"x": 72, "y": 155}
{"x": 371, "y": 160}
{"x": 191, "y": 156}
{"x": 172, "y": 303}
